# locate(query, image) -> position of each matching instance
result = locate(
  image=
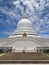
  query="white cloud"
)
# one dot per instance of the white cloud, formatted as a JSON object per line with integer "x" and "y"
{"x": 34, "y": 3}
{"x": 10, "y": 14}
{"x": 16, "y": 2}
{"x": 7, "y": 33}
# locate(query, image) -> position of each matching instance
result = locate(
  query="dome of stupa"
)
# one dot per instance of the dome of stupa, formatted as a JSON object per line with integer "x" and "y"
{"x": 24, "y": 23}
{"x": 24, "y": 26}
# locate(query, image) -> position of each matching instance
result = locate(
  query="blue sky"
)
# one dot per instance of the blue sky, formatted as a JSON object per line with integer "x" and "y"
{"x": 11, "y": 12}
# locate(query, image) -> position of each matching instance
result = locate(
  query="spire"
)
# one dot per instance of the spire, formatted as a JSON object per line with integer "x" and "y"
{"x": 24, "y": 15}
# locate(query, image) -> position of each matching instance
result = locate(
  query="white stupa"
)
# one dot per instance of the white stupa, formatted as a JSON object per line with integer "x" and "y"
{"x": 24, "y": 38}
{"x": 24, "y": 26}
